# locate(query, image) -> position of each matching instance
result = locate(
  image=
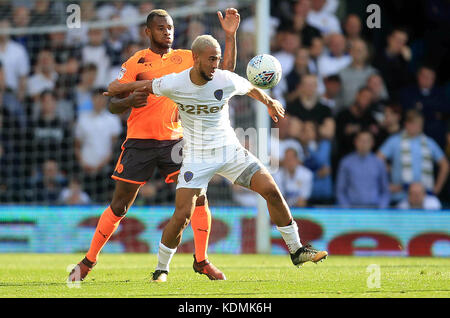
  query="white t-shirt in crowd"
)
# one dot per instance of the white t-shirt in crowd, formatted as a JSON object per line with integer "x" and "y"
{"x": 326, "y": 22}
{"x": 430, "y": 202}
{"x": 15, "y": 63}
{"x": 204, "y": 110}
{"x": 38, "y": 83}
{"x": 96, "y": 132}
{"x": 330, "y": 65}
{"x": 296, "y": 186}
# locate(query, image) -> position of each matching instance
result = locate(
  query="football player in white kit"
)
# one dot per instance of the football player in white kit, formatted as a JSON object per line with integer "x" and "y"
{"x": 211, "y": 146}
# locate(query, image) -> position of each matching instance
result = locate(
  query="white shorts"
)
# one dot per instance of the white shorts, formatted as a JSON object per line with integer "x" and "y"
{"x": 230, "y": 162}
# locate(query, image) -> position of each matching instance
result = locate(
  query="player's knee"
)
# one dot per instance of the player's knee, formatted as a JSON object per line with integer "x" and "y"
{"x": 120, "y": 206}
{"x": 119, "y": 209}
{"x": 182, "y": 219}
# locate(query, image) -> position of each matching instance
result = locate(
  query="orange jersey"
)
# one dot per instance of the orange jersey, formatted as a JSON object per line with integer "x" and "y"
{"x": 159, "y": 118}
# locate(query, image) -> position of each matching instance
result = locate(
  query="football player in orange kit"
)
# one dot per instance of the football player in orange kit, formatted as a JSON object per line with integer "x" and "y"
{"x": 153, "y": 134}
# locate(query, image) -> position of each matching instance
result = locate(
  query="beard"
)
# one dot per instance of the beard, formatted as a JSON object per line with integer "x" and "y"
{"x": 205, "y": 77}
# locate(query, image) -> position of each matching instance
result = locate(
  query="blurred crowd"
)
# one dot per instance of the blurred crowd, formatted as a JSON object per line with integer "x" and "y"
{"x": 368, "y": 109}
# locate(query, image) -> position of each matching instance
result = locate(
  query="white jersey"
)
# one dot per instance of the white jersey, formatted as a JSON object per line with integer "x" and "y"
{"x": 203, "y": 110}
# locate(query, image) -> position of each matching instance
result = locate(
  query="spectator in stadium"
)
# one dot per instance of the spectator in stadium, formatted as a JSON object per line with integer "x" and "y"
{"x": 412, "y": 156}
{"x": 73, "y": 194}
{"x": 83, "y": 91}
{"x": 289, "y": 42}
{"x": 331, "y": 97}
{"x": 96, "y": 52}
{"x": 337, "y": 59}
{"x": 308, "y": 107}
{"x": 96, "y": 133}
{"x": 352, "y": 27}
{"x": 248, "y": 25}
{"x": 21, "y": 19}
{"x": 316, "y": 51}
{"x": 380, "y": 94}
{"x": 44, "y": 76}
{"x": 15, "y": 61}
{"x": 294, "y": 180}
{"x": 419, "y": 199}
{"x": 289, "y": 130}
{"x": 41, "y": 14}
{"x": 123, "y": 10}
{"x": 8, "y": 150}
{"x": 286, "y": 89}
{"x": 48, "y": 136}
{"x": 355, "y": 75}
{"x": 299, "y": 21}
{"x": 323, "y": 19}
{"x": 45, "y": 187}
{"x": 362, "y": 178}
{"x": 391, "y": 123}
{"x": 392, "y": 62}
{"x": 67, "y": 56}
{"x": 118, "y": 37}
{"x": 317, "y": 154}
{"x": 355, "y": 118}
{"x": 430, "y": 100}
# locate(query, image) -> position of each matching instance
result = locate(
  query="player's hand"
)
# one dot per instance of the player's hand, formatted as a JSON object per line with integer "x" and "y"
{"x": 276, "y": 110}
{"x": 231, "y": 21}
{"x": 139, "y": 97}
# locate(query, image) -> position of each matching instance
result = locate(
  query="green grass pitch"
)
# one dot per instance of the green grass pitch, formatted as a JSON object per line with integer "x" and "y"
{"x": 248, "y": 276}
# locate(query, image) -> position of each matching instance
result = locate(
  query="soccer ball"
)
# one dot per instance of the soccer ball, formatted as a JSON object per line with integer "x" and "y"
{"x": 264, "y": 71}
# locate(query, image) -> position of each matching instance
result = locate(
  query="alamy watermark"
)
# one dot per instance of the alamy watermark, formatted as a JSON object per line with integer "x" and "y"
{"x": 76, "y": 275}
{"x": 374, "y": 279}
{"x": 73, "y": 21}
{"x": 373, "y": 21}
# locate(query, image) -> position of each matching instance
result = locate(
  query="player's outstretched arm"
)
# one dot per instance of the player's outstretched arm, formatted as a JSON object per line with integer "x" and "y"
{"x": 117, "y": 88}
{"x": 118, "y": 104}
{"x": 230, "y": 25}
{"x": 274, "y": 107}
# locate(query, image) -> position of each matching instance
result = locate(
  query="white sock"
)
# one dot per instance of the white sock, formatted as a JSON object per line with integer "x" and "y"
{"x": 165, "y": 255}
{"x": 290, "y": 236}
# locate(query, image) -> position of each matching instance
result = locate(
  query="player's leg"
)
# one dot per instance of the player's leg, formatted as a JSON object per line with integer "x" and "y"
{"x": 124, "y": 195}
{"x": 200, "y": 222}
{"x": 201, "y": 226}
{"x": 173, "y": 231}
{"x": 134, "y": 167}
{"x": 201, "y": 217}
{"x": 263, "y": 183}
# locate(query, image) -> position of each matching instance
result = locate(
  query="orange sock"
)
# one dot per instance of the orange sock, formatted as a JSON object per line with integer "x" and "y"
{"x": 106, "y": 226}
{"x": 201, "y": 225}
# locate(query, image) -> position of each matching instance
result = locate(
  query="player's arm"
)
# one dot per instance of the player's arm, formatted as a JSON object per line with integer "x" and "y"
{"x": 276, "y": 110}
{"x": 230, "y": 25}
{"x": 117, "y": 88}
{"x": 138, "y": 98}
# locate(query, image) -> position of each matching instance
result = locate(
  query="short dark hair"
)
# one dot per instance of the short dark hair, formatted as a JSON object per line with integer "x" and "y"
{"x": 364, "y": 88}
{"x": 46, "y": 92}
{"x": 395, "y": 107}
{"x": 88, "y": 67}
{"x": 333, "y": 78}
{"x": 156, "y": 13}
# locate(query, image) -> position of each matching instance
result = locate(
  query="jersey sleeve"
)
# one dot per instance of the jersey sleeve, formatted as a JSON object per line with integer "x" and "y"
{"x": 241, "y": 85}
{"x": 127, "y": 73}
{"x": 163, "y": 86}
